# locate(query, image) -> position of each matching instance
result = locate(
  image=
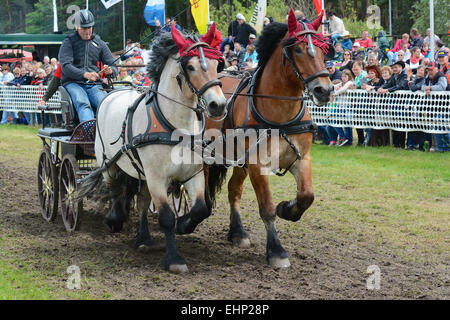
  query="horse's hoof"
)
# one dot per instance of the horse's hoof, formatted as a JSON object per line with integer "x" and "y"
{"x": 279, "y": 263}
{"x": 178, "y": 268}
{"x": 113, "y": 226}
{"x": 145, "y": 246}
{"x": 241, "y": 242}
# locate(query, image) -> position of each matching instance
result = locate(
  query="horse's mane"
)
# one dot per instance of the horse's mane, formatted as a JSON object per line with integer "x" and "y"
{"x": 162, "y": 48}
{"x": 268, "y": 41}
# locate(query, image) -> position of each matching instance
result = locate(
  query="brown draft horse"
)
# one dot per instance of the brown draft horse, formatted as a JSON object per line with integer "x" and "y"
{"x": 291, "y": 60}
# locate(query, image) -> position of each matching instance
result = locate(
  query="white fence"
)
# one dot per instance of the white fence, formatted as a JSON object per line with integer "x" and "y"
{"x": 25, "y": 99}
{"x": 401, "y": 110}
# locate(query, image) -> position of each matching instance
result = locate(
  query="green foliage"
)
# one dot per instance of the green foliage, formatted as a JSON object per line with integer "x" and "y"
{"x": 355, "y": 27}
{"x": 421, "y": 16}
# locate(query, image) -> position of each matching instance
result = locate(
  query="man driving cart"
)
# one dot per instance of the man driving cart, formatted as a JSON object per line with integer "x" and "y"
{"x": 79, "y": 56}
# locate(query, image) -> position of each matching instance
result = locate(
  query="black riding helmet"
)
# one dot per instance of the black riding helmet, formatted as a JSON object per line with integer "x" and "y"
{"x": 85, "y": 18}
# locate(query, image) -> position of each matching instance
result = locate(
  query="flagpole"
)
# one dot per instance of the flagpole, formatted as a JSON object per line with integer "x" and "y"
{"x": 55, "y": 17}
{"x": 432, "y": 29}
{"x": 123, "y": 23}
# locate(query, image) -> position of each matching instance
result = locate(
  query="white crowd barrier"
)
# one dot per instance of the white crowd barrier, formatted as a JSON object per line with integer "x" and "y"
{"x": 400, "y": 110}
{"x": 25, "y": 99}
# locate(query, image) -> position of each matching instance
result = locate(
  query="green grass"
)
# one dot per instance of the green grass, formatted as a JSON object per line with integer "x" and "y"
{"x": 373, "y": 197}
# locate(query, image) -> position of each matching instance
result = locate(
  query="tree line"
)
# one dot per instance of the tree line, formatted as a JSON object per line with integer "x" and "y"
{"x": 36, "y": 16}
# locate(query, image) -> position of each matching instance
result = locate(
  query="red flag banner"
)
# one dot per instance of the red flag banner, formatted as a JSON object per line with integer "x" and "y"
{"x": 318, "y": 5}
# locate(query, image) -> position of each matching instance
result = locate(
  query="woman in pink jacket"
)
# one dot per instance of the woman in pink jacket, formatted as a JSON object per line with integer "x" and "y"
{"x": 392, "y": 54}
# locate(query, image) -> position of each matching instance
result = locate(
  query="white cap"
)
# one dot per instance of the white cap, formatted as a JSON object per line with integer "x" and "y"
{"x": 252, "y": 36}
{"x": 240, "y": 16}
{"x": 356, "y": 44}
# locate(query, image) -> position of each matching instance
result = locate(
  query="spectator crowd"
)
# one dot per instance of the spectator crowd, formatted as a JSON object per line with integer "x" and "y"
{"x": 370, "y": 63}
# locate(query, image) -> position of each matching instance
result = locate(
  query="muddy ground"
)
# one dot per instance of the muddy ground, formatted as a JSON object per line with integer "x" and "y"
{"x": 325, "y": 264}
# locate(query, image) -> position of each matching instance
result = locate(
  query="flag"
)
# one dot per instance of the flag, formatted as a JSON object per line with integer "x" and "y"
{"x": 200, "y": 12}
{"x": 154, "y": 10}
{"x": 257, "y": 20}
{"x": 109, "y": 3}
{"x": 318, "y": 5}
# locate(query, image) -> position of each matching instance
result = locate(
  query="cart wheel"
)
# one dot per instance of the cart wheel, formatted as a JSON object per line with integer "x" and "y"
{"x": 71, "y": 209}
{"x": 47, "y": 185}
{"x": 180, "y": 202}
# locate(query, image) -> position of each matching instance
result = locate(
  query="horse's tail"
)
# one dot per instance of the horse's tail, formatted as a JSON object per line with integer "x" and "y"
{"x": 216, "y": 177}
{"x": 90, "y": 184}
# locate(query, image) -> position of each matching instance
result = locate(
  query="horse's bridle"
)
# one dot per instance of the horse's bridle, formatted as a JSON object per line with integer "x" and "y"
{"x": 308, "y": 33}
{"x": 199, "y": 93}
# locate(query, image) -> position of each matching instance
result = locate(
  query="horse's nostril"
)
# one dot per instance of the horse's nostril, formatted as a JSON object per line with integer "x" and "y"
{"x": 213, "y": 105}
{"x": 319, "y": 90}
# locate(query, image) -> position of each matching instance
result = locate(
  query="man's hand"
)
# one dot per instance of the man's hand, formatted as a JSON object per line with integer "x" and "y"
{"x": 41, "y": 103}
{"x": 90, "y": 76}
{"x": 107, "y": 70}
{"x": 18, "y": 85}
{"x": 427, "y": 90}
{"x": 382, "y": 91}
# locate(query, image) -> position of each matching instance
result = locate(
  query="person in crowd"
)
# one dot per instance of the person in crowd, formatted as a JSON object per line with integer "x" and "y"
{"x": 337, "y": 28}
{"x": 140, "y": 80}
{"x": 400, "y": 56}
{"x": 48, "y": 72}
{"x": 416, "y": 83}
{"x": 54, "y": 63}
{"x": 416, "y": 38}
{"x": 360, "y": 74}
{"x": 372, "y": 59}
{"x": 227, "y": 53}
{"x": 217, "y": 37}
{"x": 383, "y": 43}
{"x": 266, "y": 21}
{"x": 239, "y": 52}
{"x": 386, "y": 73}
{"x": 428, "y": 37}
{"x": 338, "y": 53}
{"x": 334, "y": 73}
{"x": 439, "y": 45}
{"x": 347, "y": 60}
{"x": 365, "y": 41}
{"x": 416, "y": 139}
{"x": 233, "y": 64}
{"x": 18, "y": 79}
{"x": 398, "y": 81}
{"x": 357, "y": 52}
{"x": 392, "y": 54}
{"x": 233, "y": 29}
{"x": 251, "y": 39}
{"x": 373, "y": 78}
{"x": 46, "y": 61}
{"x": 444, "y": 66}
{"x": 252, "y": 54}
{"x": 436, "y": 81}
{"x": 414, "y": 61}
{"x": 375, "y": 49}
{"x": 300, "y": 16}
{"x": 169, "y": 23}
{"x": 123, "y": 75}
{"x": 247, "y": 65}
{"x": 425, "y": 50}
{"x": 244, "y": 32}
{"x": 345, "y": 134}
{"x": 6, "y": 78}
{"x": 406, "y": 51}
{"x": 80, "y": 78}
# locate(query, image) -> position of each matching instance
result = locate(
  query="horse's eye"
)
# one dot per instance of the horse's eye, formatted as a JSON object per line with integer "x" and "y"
{"x": 298, "y": 50}
{"x": 190, "y": 67}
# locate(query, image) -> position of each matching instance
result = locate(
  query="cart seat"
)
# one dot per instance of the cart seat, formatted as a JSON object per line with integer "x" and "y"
{"x": 54, "y": 132}
{"x": 69, "y": 114}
